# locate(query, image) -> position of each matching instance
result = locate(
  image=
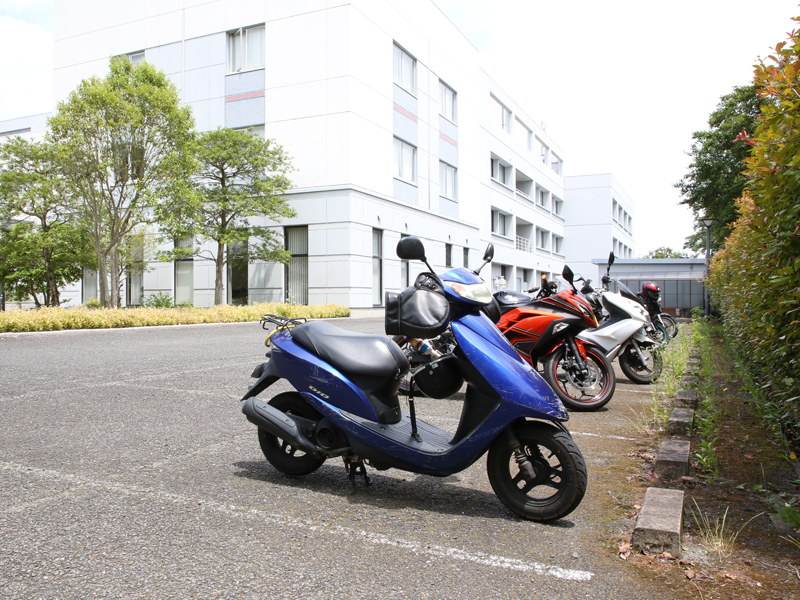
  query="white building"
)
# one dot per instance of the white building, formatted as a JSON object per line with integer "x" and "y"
{"x": 600, "y": 219}
{"x": 393, "y": 127}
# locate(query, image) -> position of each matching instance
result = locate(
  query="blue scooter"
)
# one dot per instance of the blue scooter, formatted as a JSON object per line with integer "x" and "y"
{"x": 346, "y": 400}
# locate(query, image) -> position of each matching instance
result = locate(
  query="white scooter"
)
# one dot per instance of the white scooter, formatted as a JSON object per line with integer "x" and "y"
{"x": 623, "y": 334}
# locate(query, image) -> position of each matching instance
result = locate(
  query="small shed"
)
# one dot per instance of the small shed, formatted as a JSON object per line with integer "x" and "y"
{"x": 681, "y": 279}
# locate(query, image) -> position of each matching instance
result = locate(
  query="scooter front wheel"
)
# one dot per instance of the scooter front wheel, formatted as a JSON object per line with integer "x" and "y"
{"x": 554, "y": 486}
{"x": 576, "y": 391}
{"x": 281, "y": 454}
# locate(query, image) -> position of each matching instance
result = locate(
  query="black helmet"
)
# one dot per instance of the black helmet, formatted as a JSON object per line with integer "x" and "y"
{"x": 651, "y": 290}
{"x": 440, "y": 378}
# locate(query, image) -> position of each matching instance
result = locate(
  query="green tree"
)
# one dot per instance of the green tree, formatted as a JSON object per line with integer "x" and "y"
{"x": 755, "y": 279}
{"x": 716, "y": 175}
{"x": 125, "y": 148}
{"x": 666, "y": 252}
{"x": 44, "y": 250}
{"x": 239, "y": 189}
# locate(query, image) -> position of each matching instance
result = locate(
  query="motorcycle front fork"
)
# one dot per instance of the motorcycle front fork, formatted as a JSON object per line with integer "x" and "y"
{"x": 573, "y": 347}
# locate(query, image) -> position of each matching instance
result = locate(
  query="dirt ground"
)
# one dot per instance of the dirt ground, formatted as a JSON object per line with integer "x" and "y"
{"x": 755, "y": 477}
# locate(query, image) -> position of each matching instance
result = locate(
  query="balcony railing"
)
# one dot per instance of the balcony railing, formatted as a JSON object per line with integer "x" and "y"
{"x": 524, "y": 244}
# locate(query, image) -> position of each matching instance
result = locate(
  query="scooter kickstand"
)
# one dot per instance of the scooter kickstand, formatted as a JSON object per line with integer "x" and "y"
{"x": 356, "y": 467}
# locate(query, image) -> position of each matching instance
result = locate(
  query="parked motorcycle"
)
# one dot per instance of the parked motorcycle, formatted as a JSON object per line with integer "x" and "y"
{"x": 346, "y": 401}
{"x": 650, "y": 297}
{"x": 544, "y": 329}
{"x": 623, "y": 334}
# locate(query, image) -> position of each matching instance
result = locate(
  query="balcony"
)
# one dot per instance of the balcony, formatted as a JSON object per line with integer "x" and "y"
{"x": 524, "y": 244}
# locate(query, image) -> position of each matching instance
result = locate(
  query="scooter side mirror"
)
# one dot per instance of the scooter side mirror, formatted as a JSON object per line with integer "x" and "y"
{"x": 568, "y": 275}
{"x": 411, "y": 248}
{"x": 611, "y": 258}
{"x": 489, "y": 254}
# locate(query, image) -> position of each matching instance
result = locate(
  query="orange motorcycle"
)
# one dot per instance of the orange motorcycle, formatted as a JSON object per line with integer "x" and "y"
{"x": 543, "y": 329}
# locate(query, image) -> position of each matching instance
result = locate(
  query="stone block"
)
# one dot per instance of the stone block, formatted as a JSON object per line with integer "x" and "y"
{"x": 660, "y": 523}
{"x": 693, "y": 362}
{"x": 672, "y": 461}
{"x": 689, "y": 381}
{"x": 681, "y": 421}
{"x": 686, "y": 399}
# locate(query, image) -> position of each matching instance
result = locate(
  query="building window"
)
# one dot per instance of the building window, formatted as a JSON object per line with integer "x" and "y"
{"x": 237, "y": 274}
{"x": 448, "y": 255}
{"x": 377, "y": 243}
{"x": 505, "y": 118}
{"x": 558, "y": 243}
{"x": 448, "y": 100}
{"x": 246, "y": 49}
{"x": 136, "y": 57}
{"x": 184, "y": 275}
{"x": 405, "y": 161}
{"x": 542, "y": 239}
{"x": 544, "y": 150}
{"x": 466, "y": 258}
{"x": 543, "y": 199}
{"x": 296, "y": 270}
{"x": 558, "y": 206}
{"x": 613, "y": 209}
{"x": 522, "y": 134}
{"x": 501, "y": 171}
{"x": 499, "y": 223}
{"x": 555, "y": 164}
{"x": 405, "y": 71}
{"x": 404, "y": 276}
{"x": 447, "y": 181}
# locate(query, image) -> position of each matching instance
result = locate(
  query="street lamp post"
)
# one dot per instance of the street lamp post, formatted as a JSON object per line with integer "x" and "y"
{"x": 707, "y": 222}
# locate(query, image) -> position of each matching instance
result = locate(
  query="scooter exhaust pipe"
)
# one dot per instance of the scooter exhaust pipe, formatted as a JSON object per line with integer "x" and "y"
{"x": 278, "y": 423}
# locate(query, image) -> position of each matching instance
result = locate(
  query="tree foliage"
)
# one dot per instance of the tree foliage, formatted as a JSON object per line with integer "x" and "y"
{"x": 239, "y": 199}
{"x": 124, "y": 146}
{"x": 41, "y": 249}
{"x": 666, "y": 252}
{"x": 755, "y": 280}
{"x": 716, "y": 177}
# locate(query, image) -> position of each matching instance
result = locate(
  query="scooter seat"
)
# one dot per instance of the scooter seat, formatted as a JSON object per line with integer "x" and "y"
{"x": 351, "y": 352}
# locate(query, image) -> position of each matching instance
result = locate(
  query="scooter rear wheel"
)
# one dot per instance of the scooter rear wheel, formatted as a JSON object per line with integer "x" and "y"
{"x": 280, "y": 453}
{"x": 590, "y": 393}
{"x": 560, "y": 479}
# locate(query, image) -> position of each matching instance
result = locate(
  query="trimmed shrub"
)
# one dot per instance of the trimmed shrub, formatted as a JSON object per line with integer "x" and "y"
{"x": 55, "y": 319}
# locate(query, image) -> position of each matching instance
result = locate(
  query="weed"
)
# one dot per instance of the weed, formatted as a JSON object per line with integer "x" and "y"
{"x": 715, "y": 533}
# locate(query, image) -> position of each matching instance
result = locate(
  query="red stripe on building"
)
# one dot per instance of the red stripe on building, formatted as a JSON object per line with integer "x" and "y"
{"x": 405, "y": 112}
{"x": 245, "y": 96}
{"x": 447, "y": 139}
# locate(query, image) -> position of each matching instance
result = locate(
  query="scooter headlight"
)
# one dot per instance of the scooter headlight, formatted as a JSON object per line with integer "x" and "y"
{"x": 474, "y": 292}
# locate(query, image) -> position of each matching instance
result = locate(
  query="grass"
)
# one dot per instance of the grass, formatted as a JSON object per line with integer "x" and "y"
{"x": 675, "y": 354}
{"x": 57, "y": 319}
{"x": 716, "y": 536}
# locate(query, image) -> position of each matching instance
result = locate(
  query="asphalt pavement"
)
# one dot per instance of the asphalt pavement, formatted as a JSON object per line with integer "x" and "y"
{"x": 128, "y": 471}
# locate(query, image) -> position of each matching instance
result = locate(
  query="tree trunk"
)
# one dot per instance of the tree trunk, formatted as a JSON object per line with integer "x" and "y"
{"x": 102, "y": 280}
{"x": 113, "y": 268}
{"x": 52, "y": 295}
{"x": 220, "y": 264}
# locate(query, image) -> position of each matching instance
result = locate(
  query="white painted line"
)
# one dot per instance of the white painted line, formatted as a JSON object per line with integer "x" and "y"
{"x": 613, "y": 437}
{"x": 481, "y": 558}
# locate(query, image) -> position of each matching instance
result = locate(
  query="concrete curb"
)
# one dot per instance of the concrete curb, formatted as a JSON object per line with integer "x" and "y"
{"x": 659, "y": 526}
{"x": 686, "y": 399}
{"x": 672, "y": 461}
{"x": 681, "y": 421}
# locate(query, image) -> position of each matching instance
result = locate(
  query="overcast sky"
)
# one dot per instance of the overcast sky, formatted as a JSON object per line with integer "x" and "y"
{"x": 620, "y": 84}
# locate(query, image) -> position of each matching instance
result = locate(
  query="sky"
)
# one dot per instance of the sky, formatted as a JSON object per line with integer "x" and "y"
{"x": 620, "y": 85}
{"x": 623, "y": 84}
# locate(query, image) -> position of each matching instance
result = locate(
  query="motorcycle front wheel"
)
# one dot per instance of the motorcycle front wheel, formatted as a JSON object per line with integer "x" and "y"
{"x": 632, "y": 366}
{"x": 281, "y": 454}
{"x": 558, "y": 480}
{"x": 575, "y": 391}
